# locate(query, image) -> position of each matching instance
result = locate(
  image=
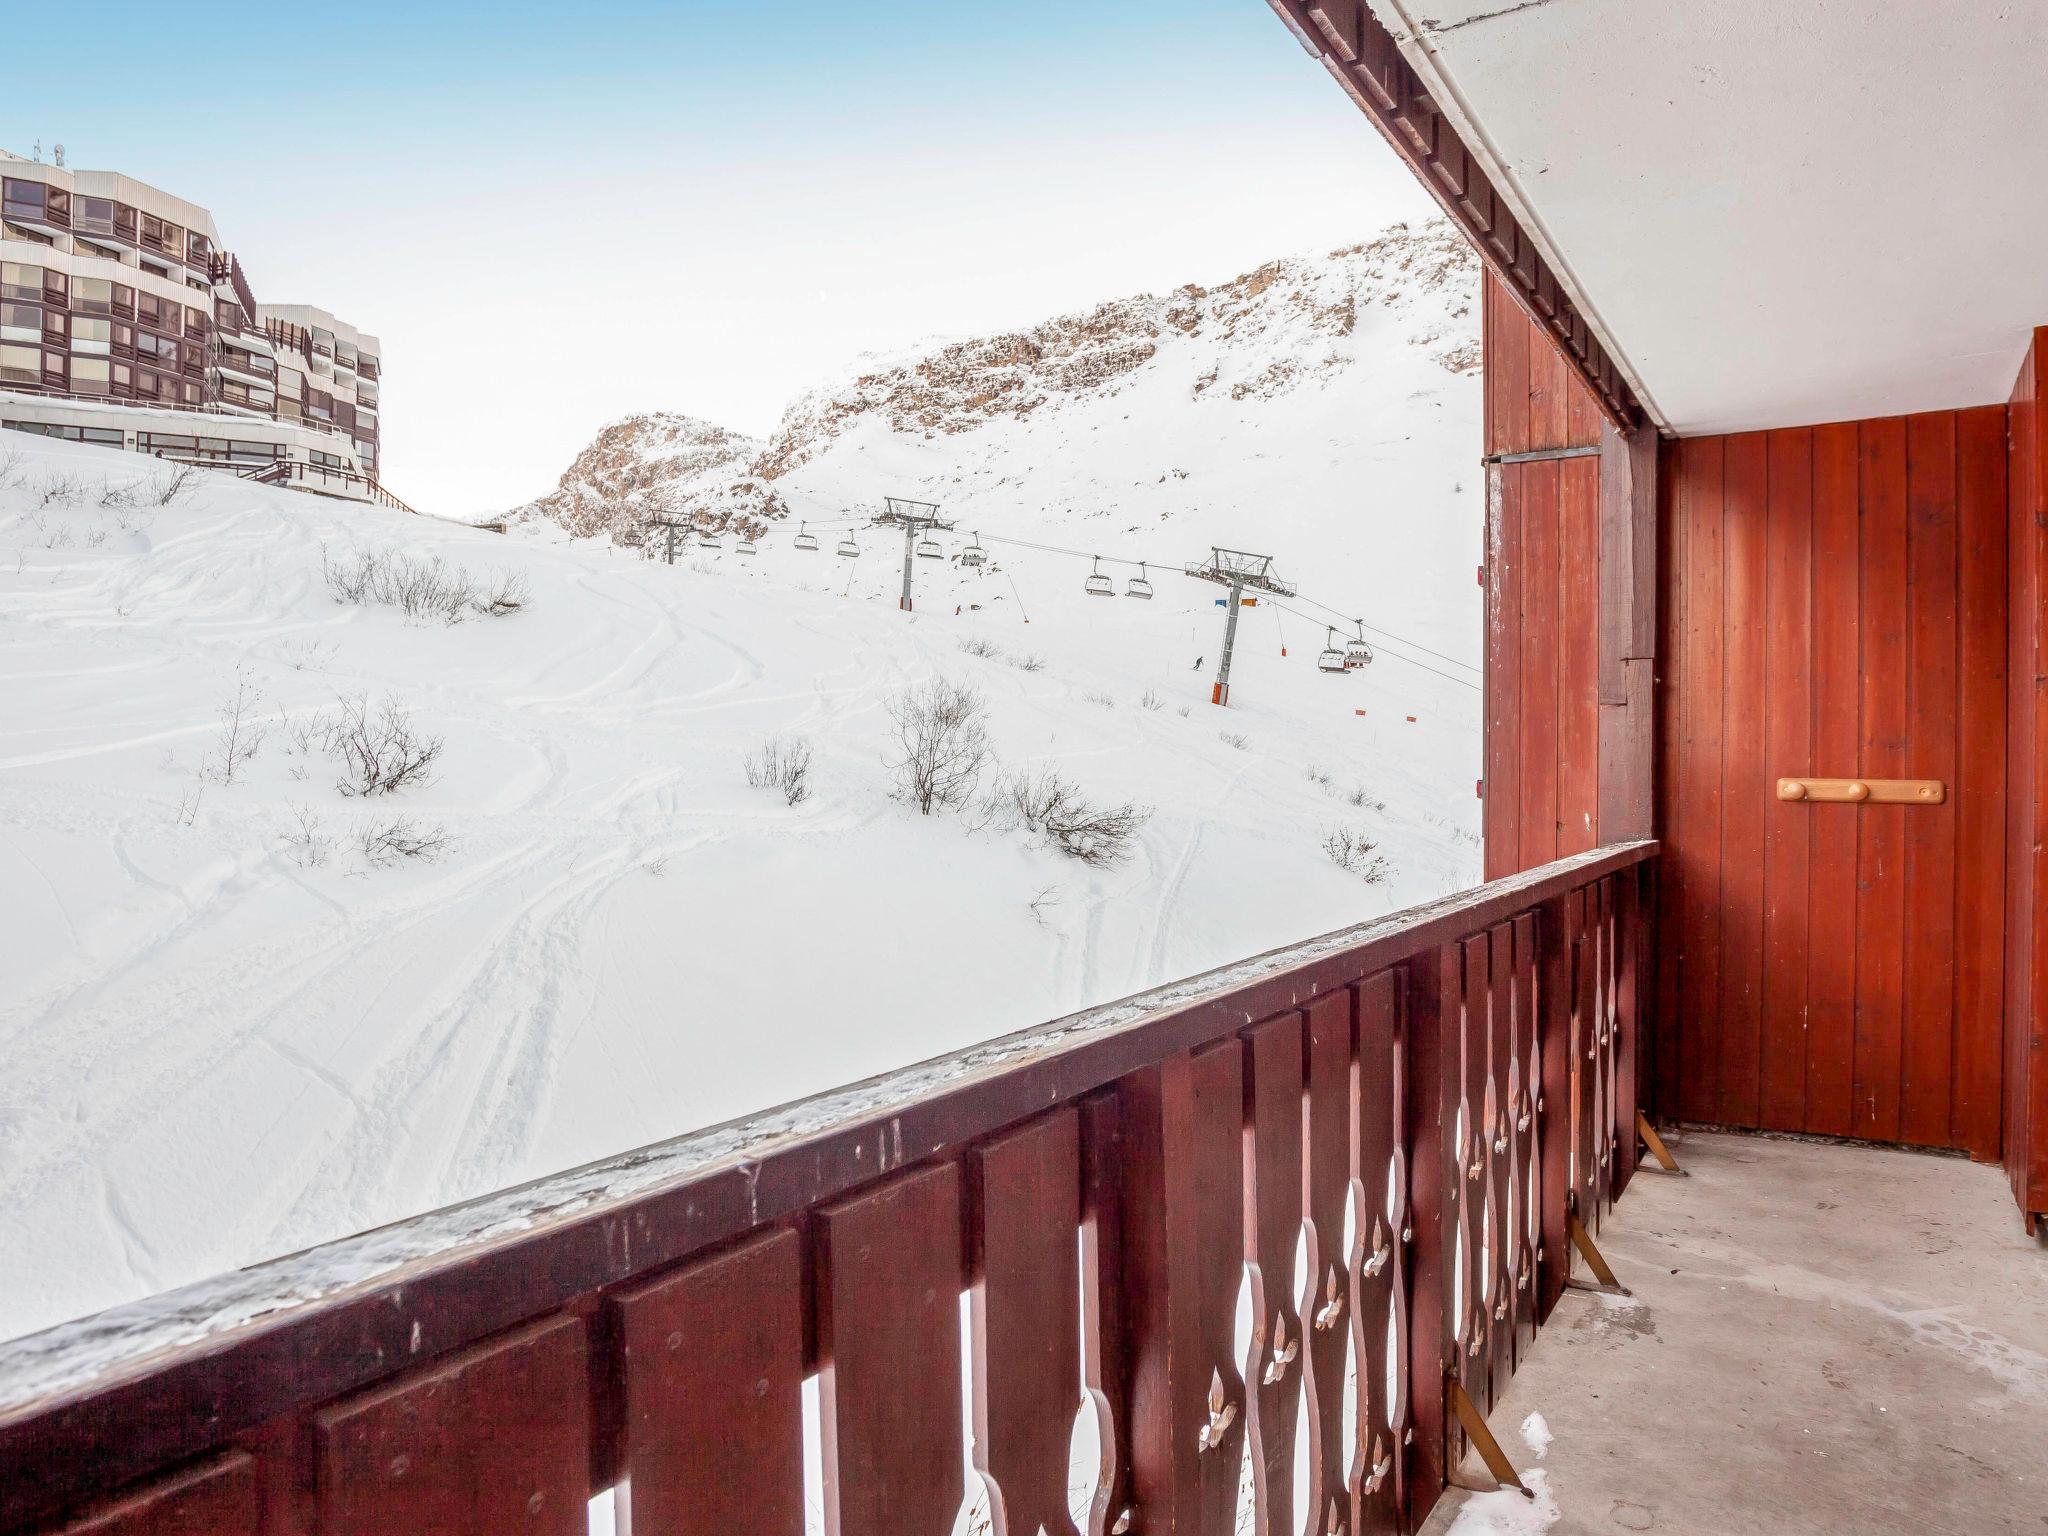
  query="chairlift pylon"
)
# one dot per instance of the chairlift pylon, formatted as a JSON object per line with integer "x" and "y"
{"x": 1332, "y": 658}
{"x": 804, "y": 538}
{"x": 1139, "y": 585}
{"x": 1100, "y": 585}
{"x": 973, "y": 554}
{"x": 1356, "y": 652}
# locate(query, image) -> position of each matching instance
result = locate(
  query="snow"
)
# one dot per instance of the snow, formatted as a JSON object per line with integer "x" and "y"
{"x": 228, "y": 1041}
{"x": 1505, "y": 1512}
{"x": 1536, "y": 1434}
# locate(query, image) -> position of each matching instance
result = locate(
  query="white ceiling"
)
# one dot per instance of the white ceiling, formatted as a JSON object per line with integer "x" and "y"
{"x": 1775, "y": 212}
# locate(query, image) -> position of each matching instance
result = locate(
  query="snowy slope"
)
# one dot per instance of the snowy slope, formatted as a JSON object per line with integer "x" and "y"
{"x": 226, "y": 1040}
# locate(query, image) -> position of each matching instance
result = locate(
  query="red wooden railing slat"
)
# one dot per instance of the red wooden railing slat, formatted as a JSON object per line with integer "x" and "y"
{"x": 495, "y": 1439}
{"x": 1274, "y": 1365}
{"x": 1026, "y": 1310}
{"x": 218, "y": 1499}
{"x": 1327, "y": 1302}
{"x": 713, "y": 1358}
{"x": 889, "y": 1355}
{"x": 1378, "y": 1267}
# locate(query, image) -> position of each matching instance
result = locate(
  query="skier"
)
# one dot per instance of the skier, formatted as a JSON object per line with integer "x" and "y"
{"x": 1198, "y": 664}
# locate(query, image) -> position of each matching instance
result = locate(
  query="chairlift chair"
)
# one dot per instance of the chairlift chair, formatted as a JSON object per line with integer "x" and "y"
{"x": 708, "y": 539}
{"x": 805, "y": 539}
{"x": 1332, "y": 658}
{"x": 1139, "y": 585}
{"x": 973, "y": 554}
{"x": 1100, "y": 585}
{"x": 1356, "y": 652}
{"x": 848, "y": 548}
{"x": 746, "y": 545}
{"x": 928, "y": 549}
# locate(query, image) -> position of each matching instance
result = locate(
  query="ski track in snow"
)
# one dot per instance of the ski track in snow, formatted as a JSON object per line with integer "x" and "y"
{"x": 218, "y": 1052}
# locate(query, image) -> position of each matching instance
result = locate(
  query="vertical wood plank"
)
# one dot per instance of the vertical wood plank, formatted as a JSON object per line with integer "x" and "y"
{"x": 889, "y": 1275}
{"x": 1432, "y": 1000}
{"x": 1702, "y": 463}
{"x": 1380, "y": 1276}
{"x": 1505, "y": 719}
{"x": 1629, "y": 1020}
{"x": 1026, "y": 1330}
{"x": 1577, "y": 721}
{"x": 1554, "y": 935}
{"x": 1497, "y": 1150}
{"x": 218, "y": 1498}
{"x": 1526, "y": 1074}
{"x": 1539, "y": 493}
{"x": 1106, "y": 1360}
{"x": 714, "y": 1366}
{"x": 1675, "y": 683}
{"x": 1745, "y": 787}
{"x": 1788, "y": 749}
{"x": 1837, "y": 750}
{"x": 1980, "y": 779}
{"x": 1466, "y": 1167}
{"x": 1274, "y": 1057}
{"x": 1330, "y": 1299}
{"x": 1881, "y": 886}
{"x": 1928, "y": 997}
{"x": 496, "y": 1438}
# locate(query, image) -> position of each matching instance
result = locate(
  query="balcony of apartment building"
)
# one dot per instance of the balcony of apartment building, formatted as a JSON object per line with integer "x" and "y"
{"x": 1296, "y": 1245}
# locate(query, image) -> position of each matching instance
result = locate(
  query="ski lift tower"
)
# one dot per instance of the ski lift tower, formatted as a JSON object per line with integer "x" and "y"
{"x": 914, "y": 517}
{"x": 1240, "y": 572}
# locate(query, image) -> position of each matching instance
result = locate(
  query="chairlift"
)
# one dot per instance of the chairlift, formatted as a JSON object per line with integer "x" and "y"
{"x": 1100, "y": 585}
{"x": 805, "y": 539}
{"x": 973, "y": 554}
{"x": 1356, "y": 652}
{"x": 745, "y": 545}
{"x": 1139, "y": 585}
{"x": 1332, "y": 658}
{"x": 848, "y": 548}
{"x": 928, "y": 549}
{"x": 707, "y": 538}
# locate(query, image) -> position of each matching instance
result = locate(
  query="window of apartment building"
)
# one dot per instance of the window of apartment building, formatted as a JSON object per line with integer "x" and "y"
{"x": 92, "y": 248}
{"x": 93, "y": 215}
{"x": 198, "y": 249}
{"x": 21, "y": 322}
{"x": 327, "y": 460}
{"x": 124, "y": 301}
{"x": 161, "y": 347}
{"x": 22, "y": 199}
{"x": 92, "y": 337}
{"x": 367, "y": 365}
{"x": 165, "y": 442}
{"x": 291, "y": 383}
{"x": 323, "y": 342}
{"x": 196, "y": 322}
{"x": 93, "y": 295}
{"x": 320, "y": 407}
{"x": 367, "y": 452}
{"x": 18, "y": 280}
{"x": 21, "y": 365}
{"x": 192, "y": 392}
{"x": 27, "y": 232}
{"x": 366, "y": 420}
{"x": 91, "y": 375}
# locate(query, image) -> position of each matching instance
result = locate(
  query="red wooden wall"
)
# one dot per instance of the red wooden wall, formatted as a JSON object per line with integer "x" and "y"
{"x": 1542, "y": 784}
{"x": 2026, "y": 1039}
{"x": 1834, "y": 604}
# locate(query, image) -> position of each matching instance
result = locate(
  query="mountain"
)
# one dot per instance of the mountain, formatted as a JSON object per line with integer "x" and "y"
{"x": 1302, "y": 404}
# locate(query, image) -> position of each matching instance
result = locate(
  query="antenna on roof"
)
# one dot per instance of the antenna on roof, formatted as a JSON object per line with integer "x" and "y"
{"x": 37, "y": 154}
{"x": 60, "y": 157}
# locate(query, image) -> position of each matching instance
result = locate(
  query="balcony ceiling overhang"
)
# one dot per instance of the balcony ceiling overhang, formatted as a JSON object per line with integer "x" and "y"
{"x": 1773, "y": 212}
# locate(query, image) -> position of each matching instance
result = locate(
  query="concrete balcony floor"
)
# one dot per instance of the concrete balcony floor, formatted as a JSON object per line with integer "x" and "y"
{"x": 1822, "y": 1339}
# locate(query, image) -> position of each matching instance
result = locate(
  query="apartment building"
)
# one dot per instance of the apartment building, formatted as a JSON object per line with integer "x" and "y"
{"x": 124, "y": 321}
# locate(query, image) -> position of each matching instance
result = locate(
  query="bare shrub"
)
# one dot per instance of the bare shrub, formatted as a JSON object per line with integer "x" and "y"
{"x": 59, "y": 491}
{"x": 1364, "y": 800}
{"x": 10, "y": 467}
{"x": 1028, "y": 663}
{"x": 981, "y": 645}
{"x": 783, "y": 764}
{"x": 1152, "y": 701}
{"x": 1356, "y": 854}
{"x": 115, "y": 496}
{"x": 1046, "y": 803}
{"x": 306, "y": 842}
{"x": 384, "y": 842}
{"x": 943, "y": 741}
{"x": 173, "y": 485}
{"x": 1234, "y": 739}
{"x": 1183, "y": 711}
{"x": 1319, "y": 777}
{"x": 241, "y": 734}
{"x": 1101, "y": 700}
{"x": 423, "y": 590}
{"x": 379, "y": 753}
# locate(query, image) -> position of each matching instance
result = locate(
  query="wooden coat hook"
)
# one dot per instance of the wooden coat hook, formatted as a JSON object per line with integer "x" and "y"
{"x": 1865, "y": 791}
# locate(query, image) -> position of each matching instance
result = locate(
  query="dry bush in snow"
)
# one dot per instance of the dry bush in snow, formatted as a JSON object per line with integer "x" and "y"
{"x": 943, "y": 741}
{"x": 423, "y": 590}
{"x": 10, "y": 466}
{"x": 380, "y": 753}
{"x": 305, "y": 839}
{"x": 1028, "y": 663}
{"x": 173, "y": 485}
{"x": 981, "y": 645}
{"x": 241, "y": 734}
{"x": 1235, "y": 739}
{"x": 1048, "y": 804}
{"x": 382, "y": 842}
{"x": 59, "y": 491}
{"x": 1151, "y": 701}
{"x": 782, "y": 764}
{"x": 1355, "y": 853}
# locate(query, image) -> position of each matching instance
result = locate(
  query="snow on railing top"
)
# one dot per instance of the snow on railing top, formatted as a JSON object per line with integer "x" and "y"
{"x": 132, "y": 1339}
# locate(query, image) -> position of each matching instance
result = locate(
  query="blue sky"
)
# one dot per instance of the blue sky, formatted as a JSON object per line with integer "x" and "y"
{"x": 702, "y": 206}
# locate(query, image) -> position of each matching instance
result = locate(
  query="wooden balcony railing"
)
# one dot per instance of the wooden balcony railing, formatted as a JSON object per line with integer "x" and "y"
{"x": 1419, "y": 1101}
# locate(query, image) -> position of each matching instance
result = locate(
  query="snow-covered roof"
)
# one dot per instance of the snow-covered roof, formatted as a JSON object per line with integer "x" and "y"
{"x": 1772, "y": 213}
